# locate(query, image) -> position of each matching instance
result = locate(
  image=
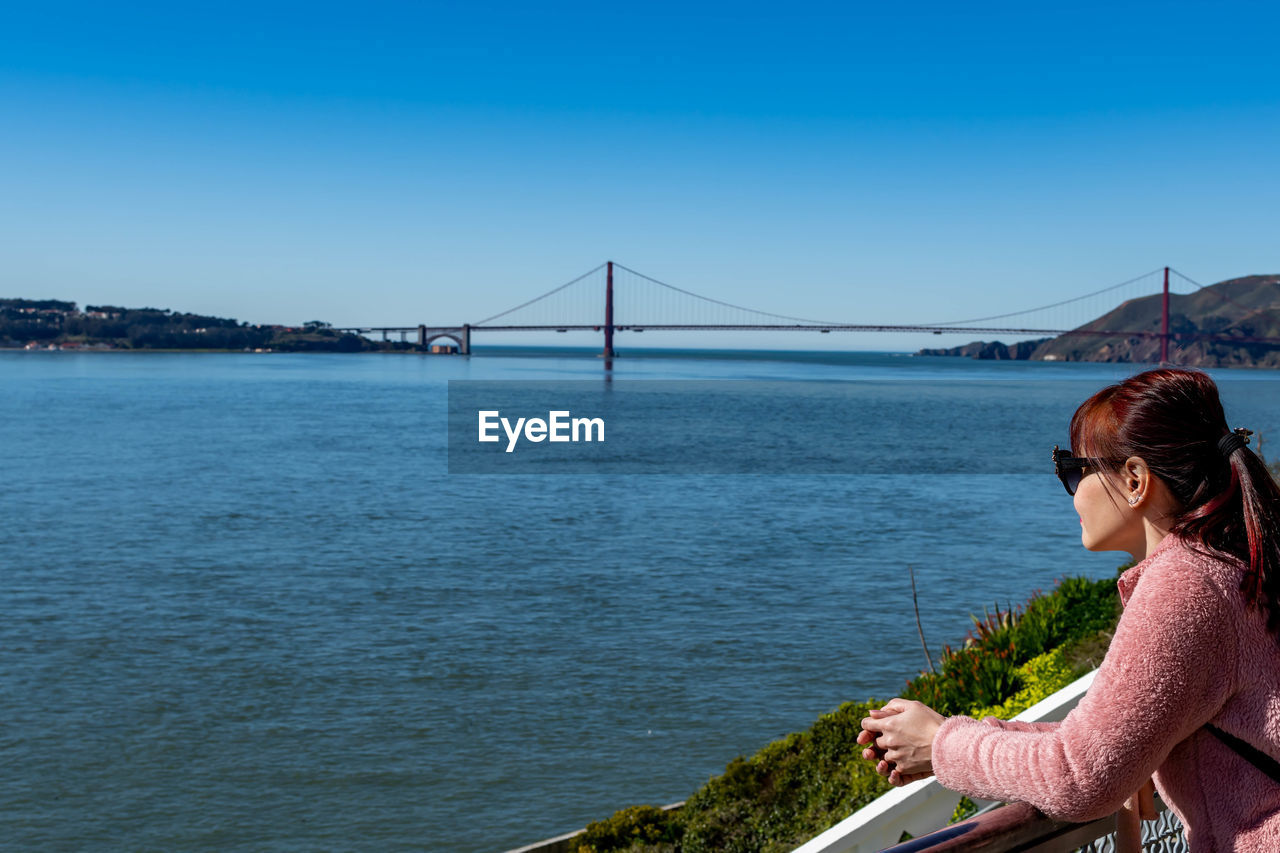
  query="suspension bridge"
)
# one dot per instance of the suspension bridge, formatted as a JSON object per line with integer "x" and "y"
{"x": 613, "y": 298}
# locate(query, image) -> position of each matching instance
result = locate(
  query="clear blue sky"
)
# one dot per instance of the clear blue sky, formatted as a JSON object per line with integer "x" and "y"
{"x": 420, "y": 162}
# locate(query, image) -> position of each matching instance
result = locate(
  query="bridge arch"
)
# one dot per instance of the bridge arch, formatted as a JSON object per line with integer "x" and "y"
{"x": 431, "y": 337}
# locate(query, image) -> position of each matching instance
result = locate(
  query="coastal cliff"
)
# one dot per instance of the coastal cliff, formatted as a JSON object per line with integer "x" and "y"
{"x": 1244, "y": 308}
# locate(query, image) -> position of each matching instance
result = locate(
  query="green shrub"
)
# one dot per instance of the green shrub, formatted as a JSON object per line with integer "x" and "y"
{"x": 985, "y": 671}
{"x": 772, "y": 800}
{"x": 965, "y": 809}
{"x": 637, "y": 825}
{"x": 796, "y": 787}
{"x": 1041, "y": 677}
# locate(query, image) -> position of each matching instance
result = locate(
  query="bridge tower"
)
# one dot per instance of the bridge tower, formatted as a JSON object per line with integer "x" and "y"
{"x": 1164, "y": 321}
{"x": 608, "y": 313}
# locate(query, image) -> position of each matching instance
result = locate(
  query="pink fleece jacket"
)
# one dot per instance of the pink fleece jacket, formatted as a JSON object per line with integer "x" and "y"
{"x": 1186, "y": 652}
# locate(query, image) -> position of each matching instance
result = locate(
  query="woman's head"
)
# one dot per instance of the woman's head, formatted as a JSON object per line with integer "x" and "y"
{"x": 1221, "y": 494}
{"x": 1170, "y": 418}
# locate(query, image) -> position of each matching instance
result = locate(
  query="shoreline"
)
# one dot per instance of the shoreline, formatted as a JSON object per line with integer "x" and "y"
{"x": 518, "y": 351}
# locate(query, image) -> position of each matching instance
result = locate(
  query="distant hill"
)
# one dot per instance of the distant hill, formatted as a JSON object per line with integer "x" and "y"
{"x": 1240, "y": 307}
{"x": 56, "y": 324}
{"x": 993, "y": 351}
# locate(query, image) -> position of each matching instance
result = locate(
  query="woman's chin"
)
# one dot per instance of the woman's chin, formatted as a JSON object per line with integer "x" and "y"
{"x": 1091, "y": 544}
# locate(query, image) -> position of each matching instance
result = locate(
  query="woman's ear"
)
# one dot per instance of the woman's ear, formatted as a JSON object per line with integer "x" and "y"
{"x": 1136, "y": 475}
{"x": 1145, "y": 488}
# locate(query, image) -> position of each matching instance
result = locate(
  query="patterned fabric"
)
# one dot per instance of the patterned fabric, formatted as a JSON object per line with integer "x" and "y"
{"x": 1162, "y": 835}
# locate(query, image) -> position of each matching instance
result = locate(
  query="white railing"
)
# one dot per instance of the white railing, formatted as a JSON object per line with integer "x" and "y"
{"x": 922, "y": 807}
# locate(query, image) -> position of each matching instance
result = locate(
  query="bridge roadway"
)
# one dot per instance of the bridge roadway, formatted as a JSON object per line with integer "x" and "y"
{"x": 461, "y": 335}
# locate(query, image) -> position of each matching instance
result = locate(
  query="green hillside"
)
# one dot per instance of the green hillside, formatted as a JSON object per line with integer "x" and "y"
{"x": 1245, "y": 307}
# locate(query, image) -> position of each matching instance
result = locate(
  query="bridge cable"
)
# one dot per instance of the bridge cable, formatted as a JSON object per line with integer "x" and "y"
{"x": 725, "y": 304}
{"x": 543, "y": 296}
{"x": 1046, "y": 307}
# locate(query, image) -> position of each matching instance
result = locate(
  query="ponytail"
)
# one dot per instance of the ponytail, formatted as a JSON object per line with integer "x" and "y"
{"x": 1243, "y": 521}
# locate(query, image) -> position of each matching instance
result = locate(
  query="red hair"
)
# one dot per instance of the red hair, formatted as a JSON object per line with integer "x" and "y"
{"x": 1172, "y": 419}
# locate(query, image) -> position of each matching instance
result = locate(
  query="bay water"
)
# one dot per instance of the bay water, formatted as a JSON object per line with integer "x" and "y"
{"x": 245, "y": 605}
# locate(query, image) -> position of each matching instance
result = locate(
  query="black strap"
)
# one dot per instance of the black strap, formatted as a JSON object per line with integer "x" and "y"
{"x": 1249, "y": 752}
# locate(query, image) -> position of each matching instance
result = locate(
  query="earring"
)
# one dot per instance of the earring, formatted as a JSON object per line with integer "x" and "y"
{"x": 1134, "y": 500}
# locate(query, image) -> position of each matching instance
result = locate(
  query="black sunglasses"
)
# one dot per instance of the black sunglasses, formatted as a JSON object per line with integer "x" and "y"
{"x": 1070, "y": 469}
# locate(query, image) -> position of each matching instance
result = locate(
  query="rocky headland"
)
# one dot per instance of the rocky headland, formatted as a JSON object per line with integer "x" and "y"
{"x": 1217, "y": 326}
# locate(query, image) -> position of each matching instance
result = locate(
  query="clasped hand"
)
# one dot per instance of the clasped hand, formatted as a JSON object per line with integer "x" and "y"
{"x": 899, "y": 738}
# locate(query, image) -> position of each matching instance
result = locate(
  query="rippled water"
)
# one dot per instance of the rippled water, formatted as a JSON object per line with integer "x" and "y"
{"x": 245, "y": 607}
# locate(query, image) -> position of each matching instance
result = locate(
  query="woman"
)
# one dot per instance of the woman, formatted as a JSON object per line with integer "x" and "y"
{"x": 1190, "y": 686}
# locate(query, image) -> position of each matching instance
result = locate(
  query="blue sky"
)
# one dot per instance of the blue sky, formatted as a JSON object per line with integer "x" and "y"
{"x": 405, "y": 163}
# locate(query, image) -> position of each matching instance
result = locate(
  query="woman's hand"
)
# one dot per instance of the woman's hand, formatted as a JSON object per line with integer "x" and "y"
{"x": 900, "y": 740}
